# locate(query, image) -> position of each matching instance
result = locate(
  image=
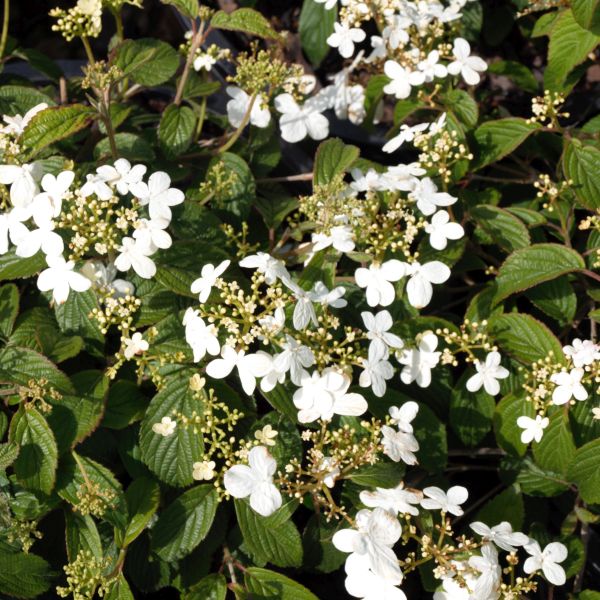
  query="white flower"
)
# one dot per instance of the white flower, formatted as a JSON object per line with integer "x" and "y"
{"x": 272, "y": 378}
{"x": 568, "y": 386}
{"x": 403, "y": 177}
{"x": 343, "y": 38}
{"x": 270, "y": 267}
{"x": 402, "y": 79}
{"x": 533, "y": 428}
{"x": 158, "y": 195}
{"x": 376, "y": 370}
{"x": 260, "y": 116}
{"x": 377, "y": 280}
{"x": 428, "y": 198}
{"x": 341, "y": 237}
{"x": 104, "y": 277}
{"x": 16, "y": 125}
{"x": 330, "y": 471}
{"x": 582, "y": 353}
{"x": 256, "y": 481}
{"x": 546, "y": 560}
{"x": 439, "y": 124}
{"x": 135, "y": 255}
{"x": 440, "y": 230}
{"x": 294, "y": 358}
{"x": 329, "y": 4}
{"x": 23, "y": 182}
{"x": 12, "y": 228}
{"x": 202, "y": 338}
{"x": 502, "y": 535}
{"x": 136, "y": 344}
{"x": 321, "y": 395}
{"x": 249, "y": 366}
{"x": 488, "y": 374}
{"x": 325, "y": 297}
{"x": 122, "y": 175}
{"x": 204, "y": 471}
{"x": 363, "y": 582}
{"x": 266, "y": 435}
{"x": 379, "y": 49}
{"x": 165, "y": 427}
{"x": 304, "y": 311}
{"x": 378, "y": 330}
{"x": 419, "y": 289}
{"x": 487, "y": 584}
{"x": 204, "y": 61}
{"x": 395, "y": 500}
{"x": 60, "y": 278}
{"x": 431, "y": 68}
{"x": 448, "y": 502}
{"x": 95, "y": 184}
{"x": 208, "y": 277}
{"x": 272, "y": 324}
{"x": 376, "y": 532}
{"x": 399, "y": 445}
{"x": 298, "y": 121}
{"x": 395, "y": 32}
{"x": 404, "y": 416}
{"x": 418, "y": 362}
{"x": 150, "y": 234}
{"x": 365, "y": 182}
{"x": 56, "y": 188}
{"x": 43, "y": 238}
{"x": 465, "y": 64}
{"x": 406, "y": 134}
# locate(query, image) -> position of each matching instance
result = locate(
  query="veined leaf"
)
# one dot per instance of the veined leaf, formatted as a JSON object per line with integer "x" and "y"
{"x": 247, "y": 20}
{"x": 333, "y": 158}
{"x": 316, "y": 25}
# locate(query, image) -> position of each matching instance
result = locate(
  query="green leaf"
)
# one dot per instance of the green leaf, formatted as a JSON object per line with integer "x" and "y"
{"x": 527, "y": 267}
{"x": 211, "y": 587}
{"x": 569, "y": 46}
{"x": 24, "y": 575}
{"x": 524, "y": 337}
{"x": 8, "y": 454}
{"x": 120, "y": 589}
{"x": 463, "y": 106}
{"x": 185, "y": 523}
{"x": 506, "y": 506}
{"x": 585, "y": 471}
{"x": 142, "y": 497}
{"x": 508, "y": 433}
{"x": 543, "y": 26}
{"x": 556, "y": 298}
{"x": 556, "y": 448}
{"x": 587, "y": 14}
{"x": 54, "y": 124}
{"x": 17, "y": 99}
{"x": 241, "y": 191}
{"x": 316, "y": 25}
{"x": 579, "y": 164}
{"x": 171, "y": 457}
{"x": 496, "y": 139}
{"x": 130, "y": 146}
{"x": 272, "y": 539}
{"x": 15, "y": 267}
{"x": 9, "y": 308}
{"x": 382, "y": 474}
{"x": 333, "y": 158}
{"x": 148, "y": 61}
{"x": 431, "y": 435}
{"x": 535, "y": 481}
{"x": 125, "y": 404}
{"x": 319, "y": 552}
{"x": 36, "y": 464}
{"x": 519, "y": 73}
{"x": 188, "y": 8}
{"x": 268, "y": 585}
{"x": 81, "y": 534}
{"x": 244, "y": 19}
{"x": 176, "y": 129}
{"x": 584, "y": 426}
{"x": 505, "y": 229}
{"x": 470, "y": 413}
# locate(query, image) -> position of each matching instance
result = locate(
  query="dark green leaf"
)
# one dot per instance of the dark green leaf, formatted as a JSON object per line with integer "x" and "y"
{"x": 316, "y": 25}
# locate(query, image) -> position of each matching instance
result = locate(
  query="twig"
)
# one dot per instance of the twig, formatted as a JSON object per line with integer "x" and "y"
{"x": 5, "y": 20}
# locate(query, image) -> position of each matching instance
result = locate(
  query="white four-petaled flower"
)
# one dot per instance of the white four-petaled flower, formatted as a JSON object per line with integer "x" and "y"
{"x": 208, "y": 277}
{"x": 487, "y": 375}
{"x": 343, "y": 38}
{"x": 468, "y": 66}
{"x": 568, "y": 385}
{"x": 547, "y": 561}
{"x": 61, "y": 278}
{"x": 449, "y": 502}
{"x": 533, "y": 429}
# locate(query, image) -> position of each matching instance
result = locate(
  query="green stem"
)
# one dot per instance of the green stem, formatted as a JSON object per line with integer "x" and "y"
{"x": 119, "y": 24}
{"x": 110, "y": 132}
{"x": 197, "y": 40}
{"x": 4, "y": 27}
{"x": 236, "y": 134}
{"x": 88, "y": 50}
{"x": 201, "y": 117}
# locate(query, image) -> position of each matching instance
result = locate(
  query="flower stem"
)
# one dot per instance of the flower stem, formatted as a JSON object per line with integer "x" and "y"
{"x": 197, "y": 40}
{"x": 236, "y": 134}
{"x": 88, "y": 50}
{"x": 5, "y": 18}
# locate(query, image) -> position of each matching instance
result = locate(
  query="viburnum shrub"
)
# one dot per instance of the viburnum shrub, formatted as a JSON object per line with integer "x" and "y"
{"x": 228, "y": 373}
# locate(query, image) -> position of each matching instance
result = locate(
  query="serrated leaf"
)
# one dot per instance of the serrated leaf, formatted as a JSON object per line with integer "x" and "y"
{"x": 569, "y": 46}
{"x": 81, "y": 534}
{"x": 556, "y": 448}
{"x": 506, "y": 506}
{"x": 125, "y": 404}
{"x": 508, "y": 433}
{"x": 35, "y": 467}
{"x": 148, "y": 61}
{"x": 24, "y": 575}
{"x": 316, "y": 25}
{"x": 129, "y": 145}
{"x": 9, "y": 308}
{"x": 142, "y": 497}
{"x": 272, "y": 539}
{"x": 184, "y": 523}
{"x": 17, "y": 99}
{"x": 15, "y": 267}
{"x": 505, "y": 229}
{"x": 268, "y": 585}
{"x": 463, "y": 106}
{"x": 431, "y": 435}
{"x": 585, "y": 471}
{"x": 536, "y": 481}
{"x": 496, "y": 139}
{"x": 171, "y": 457}
{"x": 176, "y": 129}
{"x": 8, "y": 454}
{"x": 333, "y": 158}
{"x": 54, "y": 124}
{"x": 579, "y": 164}
{"x": 382, "y": 474}
{"x": 211, "y": 587}
{"x": 516, "y": 71}
{"x": 587, "y": 14}
{"x": 524, "y": 337}
{"x": 527, "y": 267}
{"x": 247, "y": 20}
{"x": 119, "y": 590}
{"x": 556, "y": 298}
{"x": 188, "y": 8}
